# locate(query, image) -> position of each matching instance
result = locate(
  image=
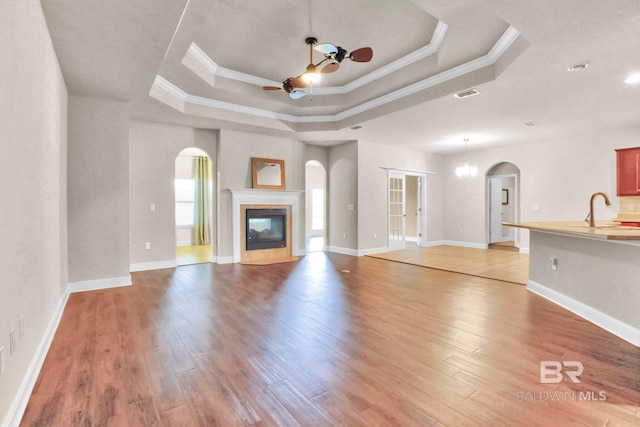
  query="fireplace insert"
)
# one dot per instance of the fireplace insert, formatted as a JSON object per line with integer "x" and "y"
{"x": 266, "y": 229}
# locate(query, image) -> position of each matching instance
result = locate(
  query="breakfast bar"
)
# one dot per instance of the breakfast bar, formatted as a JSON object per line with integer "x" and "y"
{"x": 591, "y": 271}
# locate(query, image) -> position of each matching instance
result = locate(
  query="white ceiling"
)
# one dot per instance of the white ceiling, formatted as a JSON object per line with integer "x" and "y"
{"x": 202, "y": 63}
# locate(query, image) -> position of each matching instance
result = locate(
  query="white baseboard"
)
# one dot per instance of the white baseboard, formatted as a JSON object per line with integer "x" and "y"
{"x": 343, "y": 251}
{"x": 411, "y": 239}
{"x": 603, "y": 320}
{"x": 363, "y": 252}
{"x": 94, "y": 285}
{"x": 222, "y": 260}
{"x": 455, "y": 243}
{"x": 523, "y": 250}
{"x": 17, "y": 408}
{"x": 154, "y": 265}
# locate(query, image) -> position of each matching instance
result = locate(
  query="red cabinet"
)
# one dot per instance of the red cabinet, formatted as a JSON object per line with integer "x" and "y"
{"x": 628, "y": 176}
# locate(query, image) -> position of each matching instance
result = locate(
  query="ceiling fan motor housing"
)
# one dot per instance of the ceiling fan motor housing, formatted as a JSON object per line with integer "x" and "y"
{"x": 339, "y": 56}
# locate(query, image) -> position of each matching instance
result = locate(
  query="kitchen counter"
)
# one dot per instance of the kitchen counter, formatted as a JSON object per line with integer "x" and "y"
{"x": 605, "y": 230}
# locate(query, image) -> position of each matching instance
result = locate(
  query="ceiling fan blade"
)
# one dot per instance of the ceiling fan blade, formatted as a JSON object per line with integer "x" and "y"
{"x": 364, "y": 54}
{"x": 330, "y": 68}
{"x": 271, "y": 88}
{"x": 326, "y": 48}
{"x": 297, "y": 82}
{"x": 297, "y": 94}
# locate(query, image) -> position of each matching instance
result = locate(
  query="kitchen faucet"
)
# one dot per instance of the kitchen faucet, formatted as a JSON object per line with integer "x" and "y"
{"x": 592, "y": 220}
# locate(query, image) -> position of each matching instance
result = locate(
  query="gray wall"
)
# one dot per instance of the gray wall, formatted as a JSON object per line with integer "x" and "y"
{"x": 234, "y": 171}
{"x": 372, "y": 190}
{"x": 559, "y": 175}
{"x": 600, "y": 274}
{"x": 98, "y": 189}
{"x": 343, "y": 191}
{"x": 33, "y": 211}
{"x": 153, "y": 151}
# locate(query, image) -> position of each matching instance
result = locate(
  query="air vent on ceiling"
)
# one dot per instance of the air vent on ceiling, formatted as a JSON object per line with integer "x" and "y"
{"x": 530, "y": 124}
{"x": 467, "y": 93}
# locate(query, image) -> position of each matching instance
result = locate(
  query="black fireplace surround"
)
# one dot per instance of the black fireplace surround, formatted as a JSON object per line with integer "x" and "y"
{"x": 266, "y": 229}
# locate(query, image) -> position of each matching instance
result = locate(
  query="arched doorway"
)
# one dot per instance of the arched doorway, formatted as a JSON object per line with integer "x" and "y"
{"x": 503, "y": 202}
{"x": 193, "y": 207}
{"x": 315, "y": 206}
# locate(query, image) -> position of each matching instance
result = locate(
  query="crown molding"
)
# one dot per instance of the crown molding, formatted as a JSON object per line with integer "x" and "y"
{"x": 196, "y": 53}
{"x": 507, "y": 38}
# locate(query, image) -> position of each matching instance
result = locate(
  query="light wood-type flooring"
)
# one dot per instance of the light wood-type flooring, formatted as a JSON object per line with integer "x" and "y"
{"x": 305, "y": 343}
{"x": 195, "y": 254}
{"x": 492, "y": 264}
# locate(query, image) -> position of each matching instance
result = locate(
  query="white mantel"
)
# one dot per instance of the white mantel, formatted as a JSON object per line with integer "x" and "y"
{"x": 250, "y": 196}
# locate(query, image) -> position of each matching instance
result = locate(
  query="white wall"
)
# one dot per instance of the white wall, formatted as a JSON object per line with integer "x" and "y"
{"x": 33, "y": 212}
{"x": 153, "y": 149}
{"x": 98, "y": 189}
{"x": 558, "y": 175}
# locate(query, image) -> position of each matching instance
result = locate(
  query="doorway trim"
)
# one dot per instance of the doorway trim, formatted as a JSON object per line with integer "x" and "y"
{"x": 422, "y": 202}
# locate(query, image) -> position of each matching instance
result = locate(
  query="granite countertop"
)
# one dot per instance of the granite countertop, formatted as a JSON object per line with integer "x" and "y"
{"x": 605, "y": 230}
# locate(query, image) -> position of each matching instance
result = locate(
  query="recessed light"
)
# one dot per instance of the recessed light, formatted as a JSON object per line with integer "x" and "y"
{"x": 633, "y": 79}
{"x": 467, "y": 93}
{"x": 578, "y": 67}
{"x": 530, "y": 124}
{"x": 356, "y": 127}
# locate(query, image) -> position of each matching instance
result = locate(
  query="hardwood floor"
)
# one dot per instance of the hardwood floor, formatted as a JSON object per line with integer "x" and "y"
{"x": 503, "y": 265}
{"x": 195, "y": 254}
{"x": 387, "y": 344}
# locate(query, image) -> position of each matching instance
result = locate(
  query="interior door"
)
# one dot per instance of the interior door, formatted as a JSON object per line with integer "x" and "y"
{"x": 397, "y": 211}
{"x": 495, "y": 210}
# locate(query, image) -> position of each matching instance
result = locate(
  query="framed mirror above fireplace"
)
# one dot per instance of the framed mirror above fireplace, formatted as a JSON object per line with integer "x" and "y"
{"x": 267, "y": 174}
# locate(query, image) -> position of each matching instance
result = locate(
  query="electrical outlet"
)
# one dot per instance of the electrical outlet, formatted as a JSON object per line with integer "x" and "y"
{"x": 12, "y": 342}
{"x": 375, "y": 235}
{"x": 152, "y": 207}
{"x": 461, "y": 231}
{"x": 1, "y": 360}
{"x": 21, "y": 327}
{"x": 344, "y": 235}
{"x": 147, "y": 245}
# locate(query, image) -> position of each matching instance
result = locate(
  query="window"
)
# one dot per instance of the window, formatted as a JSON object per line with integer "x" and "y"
{"x": 317, "y": 208}
{"x": 185, "y": 190}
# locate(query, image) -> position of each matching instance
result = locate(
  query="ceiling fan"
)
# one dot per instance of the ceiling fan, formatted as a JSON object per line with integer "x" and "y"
{"x": 333, "y": 56}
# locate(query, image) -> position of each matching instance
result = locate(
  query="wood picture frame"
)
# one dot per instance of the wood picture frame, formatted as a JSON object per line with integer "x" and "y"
{"x": 268, "y": 174}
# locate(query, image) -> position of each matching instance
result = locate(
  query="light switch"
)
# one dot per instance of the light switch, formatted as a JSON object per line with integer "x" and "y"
{"x": 152, "y": 207}
{"x": 536, "y": 207}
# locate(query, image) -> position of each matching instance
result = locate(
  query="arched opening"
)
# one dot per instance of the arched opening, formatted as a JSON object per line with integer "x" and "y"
{"x": 316, "y": 205}
{"x": 503, "y": 203}
{"x": 193, "y": 207}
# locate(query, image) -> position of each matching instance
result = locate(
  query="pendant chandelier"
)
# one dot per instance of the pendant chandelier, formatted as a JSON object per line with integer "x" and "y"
{"x": 466, "y": 171}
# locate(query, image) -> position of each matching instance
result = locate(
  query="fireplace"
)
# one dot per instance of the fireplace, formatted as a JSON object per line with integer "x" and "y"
{"x": 247, "y": 199}
{"x": 266, "y": 229}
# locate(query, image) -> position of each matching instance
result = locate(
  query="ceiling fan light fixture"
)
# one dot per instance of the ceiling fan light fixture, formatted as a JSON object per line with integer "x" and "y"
{"x": 311, "y": 75}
